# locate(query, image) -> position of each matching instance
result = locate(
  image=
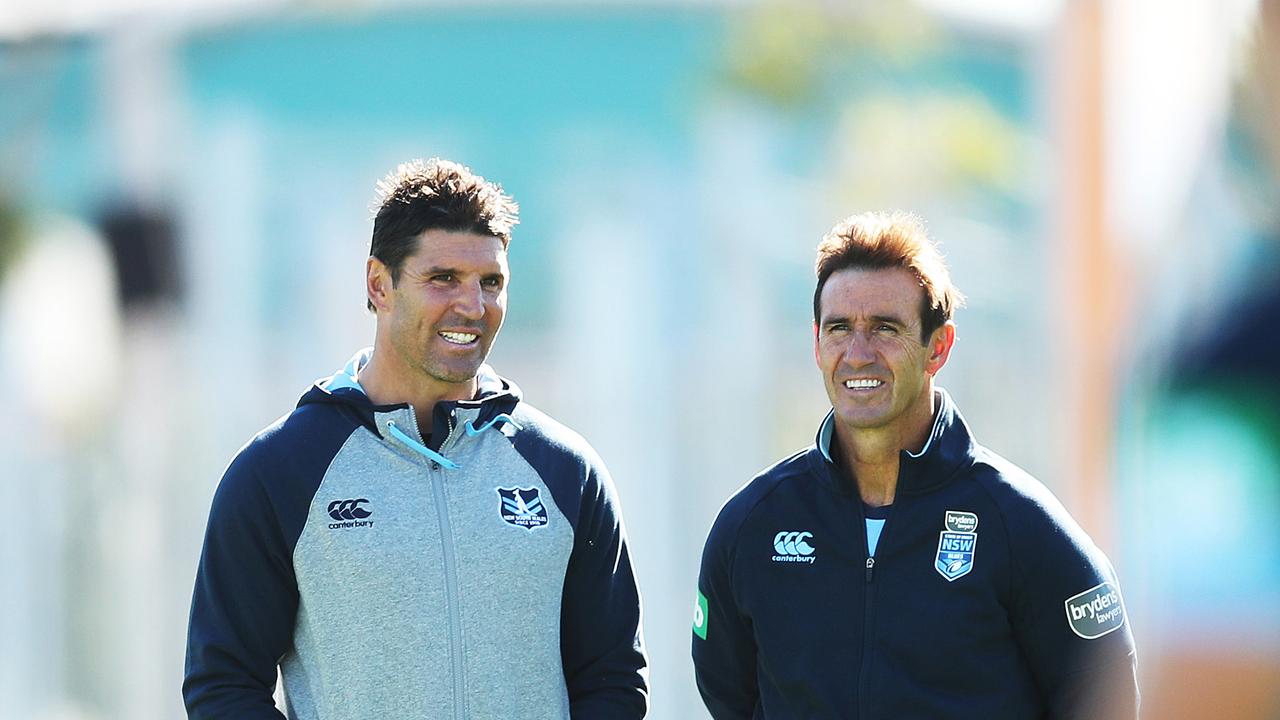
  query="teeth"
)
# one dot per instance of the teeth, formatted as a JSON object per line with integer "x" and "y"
{"x": 862, "y": 384}
{"x": 458, "y": 338}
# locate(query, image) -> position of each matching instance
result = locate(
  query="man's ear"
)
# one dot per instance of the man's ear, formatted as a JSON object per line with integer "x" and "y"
{"x": 940, "y": 344}
{"x": 378, "y": 284}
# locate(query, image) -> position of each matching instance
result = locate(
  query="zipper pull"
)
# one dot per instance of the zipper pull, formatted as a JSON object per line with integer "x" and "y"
{"x": 871, "y": 564}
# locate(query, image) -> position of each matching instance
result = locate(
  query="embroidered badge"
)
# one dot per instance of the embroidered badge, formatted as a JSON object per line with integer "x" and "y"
{"x": 522, "y": 507}
{"x": 956, "y": 545}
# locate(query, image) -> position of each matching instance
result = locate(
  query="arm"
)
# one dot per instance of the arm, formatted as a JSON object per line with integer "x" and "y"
{"x": 1070, "y": 622}
{"x": 724, "y": 650}
{"x": 600, "y": 639}
{"x": 244, "y": 604}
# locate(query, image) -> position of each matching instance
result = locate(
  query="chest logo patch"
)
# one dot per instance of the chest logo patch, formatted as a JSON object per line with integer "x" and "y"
{"x": 957, "y": 544}
{"x": 793, "y": 547}
{"x": 522, "y": 507}
{"x": 349, "y": 514}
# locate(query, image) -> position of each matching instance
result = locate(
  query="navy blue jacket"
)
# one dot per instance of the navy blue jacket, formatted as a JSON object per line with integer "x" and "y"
{"x": 984, "y": 599}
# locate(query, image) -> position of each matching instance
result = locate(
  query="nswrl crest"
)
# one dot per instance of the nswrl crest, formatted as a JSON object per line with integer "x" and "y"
{"x": 956, "y": 545}
{"x": 522, "y": 507}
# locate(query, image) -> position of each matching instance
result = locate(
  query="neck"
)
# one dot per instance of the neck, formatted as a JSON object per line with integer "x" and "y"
{"x": 388, "y": 380}
{"x": 872, "y": 454}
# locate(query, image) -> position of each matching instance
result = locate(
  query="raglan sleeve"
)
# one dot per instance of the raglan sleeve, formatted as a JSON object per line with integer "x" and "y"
{"x": 724, "y": 650}
{"x": 1070, "y": 619}
{"x": 601, "y": 643}
{"x": 244, "y": 603}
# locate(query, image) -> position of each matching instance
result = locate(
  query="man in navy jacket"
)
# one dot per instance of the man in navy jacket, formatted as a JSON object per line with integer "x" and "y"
{"x": 896, "y": 568}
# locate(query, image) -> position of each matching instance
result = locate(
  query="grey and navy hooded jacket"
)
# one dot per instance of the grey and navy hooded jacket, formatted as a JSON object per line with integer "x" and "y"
{"x": 483, "y": 575}
{"x": 981, "y": 599}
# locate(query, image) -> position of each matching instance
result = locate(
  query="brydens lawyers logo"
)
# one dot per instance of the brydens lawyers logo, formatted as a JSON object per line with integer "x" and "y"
{"x": 349, "y": 514}
{"x": 792, "y": 547}
{"x": 521, "y": 507}
{"x": 1096, "y": 611}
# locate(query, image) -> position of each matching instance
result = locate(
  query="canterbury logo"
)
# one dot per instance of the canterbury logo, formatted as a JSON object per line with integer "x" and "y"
{"x": 348, "y": 510}
{"x": 792, "y": 543}
{"x": 792, "y": 547}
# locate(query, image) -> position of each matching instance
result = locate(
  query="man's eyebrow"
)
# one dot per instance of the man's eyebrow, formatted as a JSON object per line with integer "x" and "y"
{"x": 890, "y": 319}
{"x": 437, "y": 270}
{"x": 442, "y": 270}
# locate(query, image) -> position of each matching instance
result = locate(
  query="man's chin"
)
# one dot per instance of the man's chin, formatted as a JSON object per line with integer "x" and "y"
{"x": 862, "y": 418}
{"x": 455, "y": 374}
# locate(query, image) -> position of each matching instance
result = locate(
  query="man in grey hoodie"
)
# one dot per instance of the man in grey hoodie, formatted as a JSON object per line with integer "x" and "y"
{"x": 414, "y": 540}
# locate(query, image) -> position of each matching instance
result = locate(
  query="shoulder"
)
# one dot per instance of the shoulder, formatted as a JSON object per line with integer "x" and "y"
{"x": 1041, "y": 533}
{"x": 754, "y": 498}
{"x": 579, "y": 483}
{"x": 549, "y": 445}
{"x": 1028, "y": 506}
{"x": 294, "y": 450}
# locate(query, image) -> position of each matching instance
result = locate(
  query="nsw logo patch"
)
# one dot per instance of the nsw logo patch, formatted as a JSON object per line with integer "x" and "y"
{"x": 1096, "y": 611}
{"x": 522, "y": 507}
{"x": 957, "y": 545}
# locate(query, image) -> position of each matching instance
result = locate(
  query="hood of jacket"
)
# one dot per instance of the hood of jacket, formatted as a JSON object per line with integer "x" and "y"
{"x": 496, "y": 398}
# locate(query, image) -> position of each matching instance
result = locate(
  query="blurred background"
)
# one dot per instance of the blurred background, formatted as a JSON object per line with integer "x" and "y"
{"x": 185, "y": 194}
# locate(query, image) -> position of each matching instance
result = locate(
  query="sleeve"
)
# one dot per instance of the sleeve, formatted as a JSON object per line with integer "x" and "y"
{"x": 724, "y": 649}
{"x": 1070, "y": 621}
{"x": 244, "y": 604}
{"x": 601, "y": 644}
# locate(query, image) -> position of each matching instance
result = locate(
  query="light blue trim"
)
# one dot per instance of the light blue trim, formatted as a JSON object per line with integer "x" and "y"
{"x": 340, "y": 381}
{"x": 936, "y": 429}
{"x": 473, "y": 431}
{"x": 346, "y": 377}
{"x": 824, "y": 435}
{"x": 874, "y": 528}
{"x": 420, "y": 448}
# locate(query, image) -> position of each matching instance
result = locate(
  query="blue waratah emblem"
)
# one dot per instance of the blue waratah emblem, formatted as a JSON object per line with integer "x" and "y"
{"x": 955, "y": 554}
{"x": 522, "y": 507}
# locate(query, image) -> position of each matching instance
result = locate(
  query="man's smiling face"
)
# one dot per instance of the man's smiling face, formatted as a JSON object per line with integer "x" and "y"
{"x": 448, "y": 305}
{"x": 868, "y": 345}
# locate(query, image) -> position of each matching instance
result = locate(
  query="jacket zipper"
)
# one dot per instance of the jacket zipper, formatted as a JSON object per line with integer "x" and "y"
{"x": 864, "y": 702}
{"x": 450, "y": 576}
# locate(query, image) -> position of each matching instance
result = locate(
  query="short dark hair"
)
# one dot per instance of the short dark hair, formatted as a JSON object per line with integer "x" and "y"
{"x": 435, "y": 194}
{"x": 878, "y": 240}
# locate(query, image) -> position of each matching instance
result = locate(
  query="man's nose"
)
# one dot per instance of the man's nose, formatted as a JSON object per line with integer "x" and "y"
{"x": 469, "y": 302}
{"x": 860, "y": 350}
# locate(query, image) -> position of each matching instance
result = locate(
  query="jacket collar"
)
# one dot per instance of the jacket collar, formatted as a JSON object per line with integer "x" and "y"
{"x": 494, "y": 395}
{"x": 948, "y": 449}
